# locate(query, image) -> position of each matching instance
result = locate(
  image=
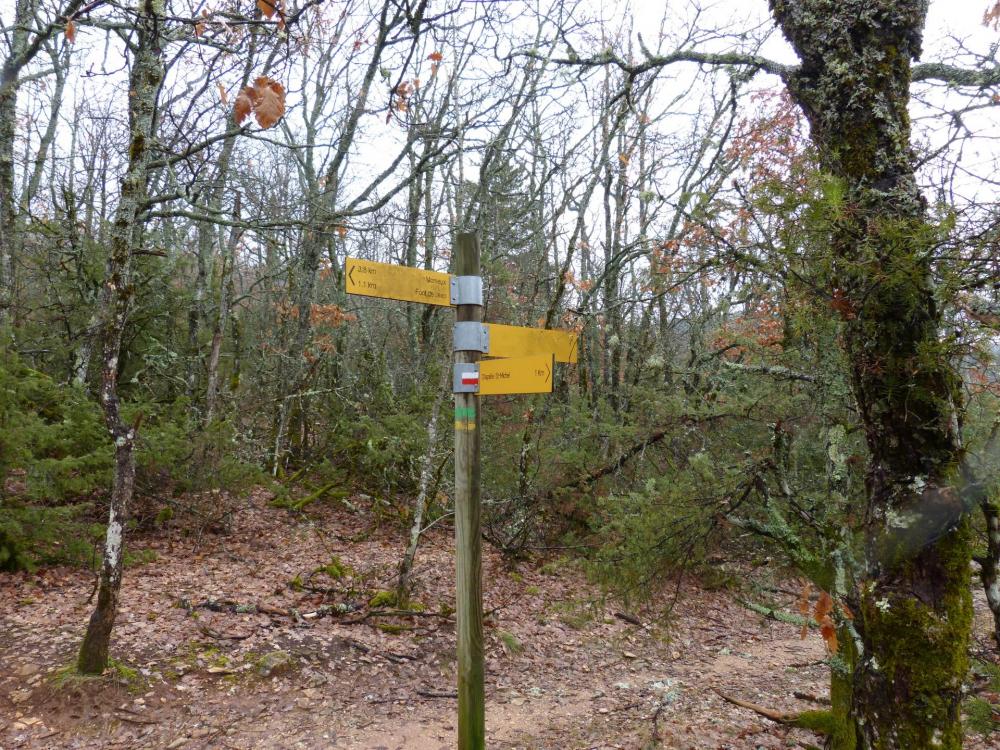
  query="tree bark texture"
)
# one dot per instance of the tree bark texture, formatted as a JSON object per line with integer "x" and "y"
{"x": 911, "y": 601}
{"x": 223, "y": 311}
{"x": 144, "y": 82}
{"x": 989, "y": 564}
{"x": 8, "y": 124}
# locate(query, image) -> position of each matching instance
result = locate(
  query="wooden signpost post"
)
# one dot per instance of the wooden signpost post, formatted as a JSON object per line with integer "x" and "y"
{"x": 525, "y": 363}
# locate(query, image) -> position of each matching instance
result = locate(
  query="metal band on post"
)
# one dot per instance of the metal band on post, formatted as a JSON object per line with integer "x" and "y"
{"x": 471, "y": 336}
{"x": 467, "y": 290}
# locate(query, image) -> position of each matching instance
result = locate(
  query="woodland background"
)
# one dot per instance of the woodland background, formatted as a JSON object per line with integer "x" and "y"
{"x": 676, "y": 217}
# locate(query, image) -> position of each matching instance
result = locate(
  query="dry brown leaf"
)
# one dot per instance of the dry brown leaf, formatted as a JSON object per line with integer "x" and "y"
{"x": 223, "y": 95}
{"x": 992, "y": 16}
{"x": 435, "y": 56}
{"x": 829, "y": 632}
{"x": 824, "y": 605}
{"x": 802, "y": 605}
{"x": 70, "y": 31}
{"x": 267, "y": 8}
{"x": 243, "y": 106}
{"x": 269, "y": 102}
{"x": 199, "y": 29}
{"x": 265, "y": 98}
{"x": 842, "y": 305}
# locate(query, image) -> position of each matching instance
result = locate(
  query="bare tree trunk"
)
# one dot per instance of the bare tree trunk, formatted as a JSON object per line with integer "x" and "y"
{"x": 324, "y": 217}
{"x": 23, "y": 12}
{"x": 94, "y": 651}
{"x": 420, "y": 503}
{"x": 222, "y": 314}
{"x": 207, "y": 236}
{"x": 144, "y": 81}
{"x": 45, "y": 142}
{"x": 25, "y": 42}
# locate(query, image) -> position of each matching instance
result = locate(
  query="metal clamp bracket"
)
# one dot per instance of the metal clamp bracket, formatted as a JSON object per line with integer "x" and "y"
{"x": 466, "y": 379}
{"x": 469, "y": 336}
{"x": 467, "y": 290}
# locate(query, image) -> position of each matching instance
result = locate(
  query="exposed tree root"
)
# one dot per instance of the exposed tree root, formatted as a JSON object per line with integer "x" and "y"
{"x": 782, "y": 717}
{"x": 821, "y": 722}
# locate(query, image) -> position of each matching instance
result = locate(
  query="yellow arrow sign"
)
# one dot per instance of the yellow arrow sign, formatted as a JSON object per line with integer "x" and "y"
{"x": 372, "y": 279}
{"x": 516, "y": 341}
{"x": 516, "y": 375}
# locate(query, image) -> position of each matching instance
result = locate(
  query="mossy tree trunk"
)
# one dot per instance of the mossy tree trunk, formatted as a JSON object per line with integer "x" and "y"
{"x": 989, "y": 564}
{"x": 912, "y": 602}
{"x": 144, "y": 83}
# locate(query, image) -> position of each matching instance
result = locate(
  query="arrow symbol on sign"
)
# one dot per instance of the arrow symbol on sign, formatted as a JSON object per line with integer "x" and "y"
{"x": 548, "y": 372}
{"x": 350, "y": 274}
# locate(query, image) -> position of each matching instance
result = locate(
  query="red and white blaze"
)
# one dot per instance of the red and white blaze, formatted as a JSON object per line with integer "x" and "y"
{"x": 470, "y": 377}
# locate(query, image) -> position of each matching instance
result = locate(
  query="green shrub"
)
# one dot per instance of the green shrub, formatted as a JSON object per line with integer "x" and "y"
{"x": 54, "y": 457}
{"x": 56, "y": 463}
{"x": 175, "y": 451}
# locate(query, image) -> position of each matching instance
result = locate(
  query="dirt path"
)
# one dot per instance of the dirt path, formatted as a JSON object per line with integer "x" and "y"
{"x": 564, "y": 671}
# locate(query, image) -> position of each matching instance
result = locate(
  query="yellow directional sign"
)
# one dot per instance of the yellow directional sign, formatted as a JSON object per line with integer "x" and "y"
{"x": 516, "y": 341}
{"x": 516, "y": 375}
{"x": 372, "y": 279}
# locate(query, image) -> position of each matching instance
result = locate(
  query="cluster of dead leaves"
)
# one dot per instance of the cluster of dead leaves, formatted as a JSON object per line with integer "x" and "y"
{"x": 320, "y": 315}
{"x": 435, "y": 57}
{"x": 820, "y": 614}
{"x": 842, "y": 305}
{"x": 271, "y": 8}
{"x": 401, "y": 96}
{"x": 992, "y": 16}
{"x": 265, "y": 98}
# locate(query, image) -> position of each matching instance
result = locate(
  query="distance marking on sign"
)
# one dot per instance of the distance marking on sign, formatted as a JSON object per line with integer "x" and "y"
{"x": 371, "y": 279}
{"x": 516, "y": 375}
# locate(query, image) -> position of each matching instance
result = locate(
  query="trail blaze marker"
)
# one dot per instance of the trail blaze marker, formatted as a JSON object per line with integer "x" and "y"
{"x": 517, "y": 341}
{"x": 516, "y": 375}
{"x": 465, "y": 419}
{"x": 371, "y": 279}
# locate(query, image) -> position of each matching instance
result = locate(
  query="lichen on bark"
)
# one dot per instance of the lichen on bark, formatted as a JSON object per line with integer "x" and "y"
{"x": 910, "y": 595}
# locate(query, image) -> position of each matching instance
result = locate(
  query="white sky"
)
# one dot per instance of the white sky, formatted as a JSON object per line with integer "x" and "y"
{"x": 948, "y": 21}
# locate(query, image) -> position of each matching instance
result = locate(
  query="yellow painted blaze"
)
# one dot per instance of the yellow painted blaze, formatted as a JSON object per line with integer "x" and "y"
{"x": 371, "y": 279}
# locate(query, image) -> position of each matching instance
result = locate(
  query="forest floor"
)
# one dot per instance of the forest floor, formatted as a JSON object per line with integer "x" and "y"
{"x": 222, "y": 642}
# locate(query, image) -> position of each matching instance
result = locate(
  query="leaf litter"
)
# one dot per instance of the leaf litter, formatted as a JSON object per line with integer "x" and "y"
{"x": 254, "y": 639}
